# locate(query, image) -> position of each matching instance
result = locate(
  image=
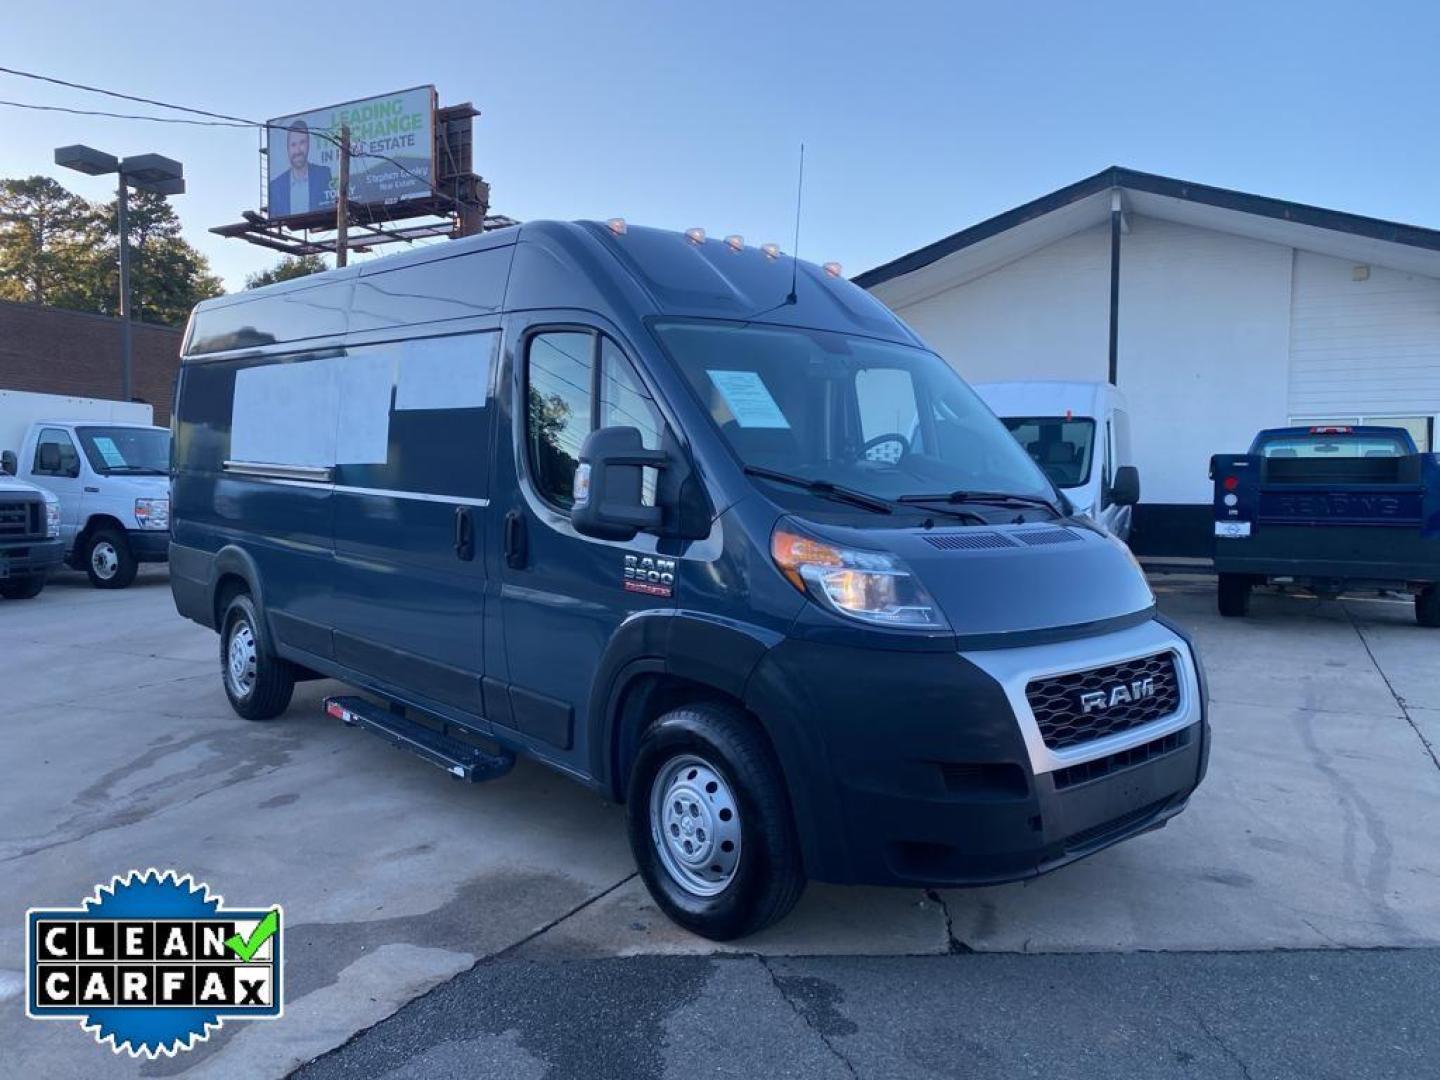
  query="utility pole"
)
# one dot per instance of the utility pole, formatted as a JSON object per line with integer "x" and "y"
{"x": 127, "y": 387}
{"x": 342, "y": 197}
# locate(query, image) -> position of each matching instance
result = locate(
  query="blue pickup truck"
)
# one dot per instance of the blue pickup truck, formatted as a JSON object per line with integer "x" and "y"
{"x": 1328, "y": 509}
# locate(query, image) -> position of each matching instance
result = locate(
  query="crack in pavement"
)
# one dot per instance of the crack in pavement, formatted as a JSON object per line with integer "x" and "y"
{"x": 1224, "y": 1046}
{"x": 804, "y": 1015}
{"x": 954, "y": 944}
{"x": 1399, "y": 701}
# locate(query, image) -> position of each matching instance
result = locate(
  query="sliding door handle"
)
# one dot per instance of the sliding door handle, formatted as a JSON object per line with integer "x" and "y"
{"x": 464, "y": 534}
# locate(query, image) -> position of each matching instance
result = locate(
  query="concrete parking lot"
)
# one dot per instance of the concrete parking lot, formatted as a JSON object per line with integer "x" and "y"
{"x": 1316, "y": 830}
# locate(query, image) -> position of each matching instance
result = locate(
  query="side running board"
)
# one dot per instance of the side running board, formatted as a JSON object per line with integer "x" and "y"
{"x": 459, "y": 759}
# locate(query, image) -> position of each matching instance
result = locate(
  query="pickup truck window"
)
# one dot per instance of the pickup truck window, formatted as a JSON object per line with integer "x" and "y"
{"x": 127, "y": 451}
{"x": 55, "y": 454}
{"x": 1333, "y": 445}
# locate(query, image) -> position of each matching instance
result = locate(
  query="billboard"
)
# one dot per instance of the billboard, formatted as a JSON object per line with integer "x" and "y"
{"x": 392, "y": 153}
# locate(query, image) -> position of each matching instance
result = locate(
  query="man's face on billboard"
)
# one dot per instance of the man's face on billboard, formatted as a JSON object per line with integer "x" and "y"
{"x": 297, "y": 144}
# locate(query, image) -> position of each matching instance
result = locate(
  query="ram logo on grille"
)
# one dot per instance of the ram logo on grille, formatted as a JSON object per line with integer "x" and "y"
{"x": 1118, "y": 694}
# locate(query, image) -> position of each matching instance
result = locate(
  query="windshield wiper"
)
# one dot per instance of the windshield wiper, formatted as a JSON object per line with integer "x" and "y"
{"x": 996, "y": 498}
{"x": 875, "y": 503}
{"x": 824, "y": 489}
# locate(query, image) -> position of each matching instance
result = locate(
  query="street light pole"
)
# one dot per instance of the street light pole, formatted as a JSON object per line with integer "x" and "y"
{"x": 127, "y": 388}
{"x": 145, "y": 172}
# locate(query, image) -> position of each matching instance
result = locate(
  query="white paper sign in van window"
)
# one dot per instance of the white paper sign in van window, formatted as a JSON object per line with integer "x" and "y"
{"x": 284, "y": 414}
{"x": 445, "y": 372}
{"x": 114, "y": 459}
{"x": 362, "y": 436}
{"x": 748, "y": 399}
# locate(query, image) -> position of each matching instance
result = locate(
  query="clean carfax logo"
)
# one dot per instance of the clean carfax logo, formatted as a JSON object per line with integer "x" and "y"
{"x": 152, "y": 963}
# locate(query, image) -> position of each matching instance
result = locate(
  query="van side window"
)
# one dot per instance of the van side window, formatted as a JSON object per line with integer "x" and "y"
{"x": 559, "y": 406}
{"x": 569, "y": 395}
{"x": 55, "y": 454}
{"x": 624, "y": 402}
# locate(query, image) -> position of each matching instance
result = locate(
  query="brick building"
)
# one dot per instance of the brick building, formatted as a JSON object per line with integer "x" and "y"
{"x": 52, "y": 351}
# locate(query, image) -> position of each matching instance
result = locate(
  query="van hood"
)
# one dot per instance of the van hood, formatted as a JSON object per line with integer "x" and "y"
{"x": 1008, "y": 579}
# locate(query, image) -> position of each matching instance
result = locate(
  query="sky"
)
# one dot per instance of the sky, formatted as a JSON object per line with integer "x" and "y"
{"x": 918, "y": 119}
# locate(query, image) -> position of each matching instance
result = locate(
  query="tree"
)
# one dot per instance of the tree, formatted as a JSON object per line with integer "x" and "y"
{"x": 58, "y": 249}
{"x": 287, "y": 269}
{"x": 168, "y": 277}
{"x": 49, "y": 244}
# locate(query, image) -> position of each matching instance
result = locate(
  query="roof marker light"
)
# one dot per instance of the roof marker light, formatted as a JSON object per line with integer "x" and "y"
{"x": 695, "y": 236}
{"x": 616, "y": 225}
{"x": 734, "y": 241}
{"x": 832, "y": 268}
{"x": 772, "y": 251}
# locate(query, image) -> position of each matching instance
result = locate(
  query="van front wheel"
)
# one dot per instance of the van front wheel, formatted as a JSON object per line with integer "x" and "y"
{"x": 710, "y": 823}
{"x": 1427, "y": 606}
{"x": 257, "y": 682}
{"x": 108, "y": 560}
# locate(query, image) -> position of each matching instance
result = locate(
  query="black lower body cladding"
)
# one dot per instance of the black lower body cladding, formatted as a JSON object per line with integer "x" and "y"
{"x": 912, "y": 768}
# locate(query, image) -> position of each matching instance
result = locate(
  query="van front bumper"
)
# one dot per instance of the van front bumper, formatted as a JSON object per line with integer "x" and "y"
{"x": 929, "y": 769}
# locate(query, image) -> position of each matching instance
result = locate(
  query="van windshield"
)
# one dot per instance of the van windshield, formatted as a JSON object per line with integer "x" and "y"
{"x": 885, "y": 419}
{"x": 134, "y": 451}
{"x": 1061, "y": 445}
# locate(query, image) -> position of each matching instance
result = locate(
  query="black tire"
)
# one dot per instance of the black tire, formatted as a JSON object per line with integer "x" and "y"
{"x": 22, "y": 588}
{"x": 1427, "y": 607}
{"x": 259, "y": 688}
{"x": 768, "y": 874}
{"x": 108, "y": 560}
{"x": 1233, "y": 595}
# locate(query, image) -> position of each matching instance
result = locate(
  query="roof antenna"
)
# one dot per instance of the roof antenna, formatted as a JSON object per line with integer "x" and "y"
{"x": 795, "y": 255}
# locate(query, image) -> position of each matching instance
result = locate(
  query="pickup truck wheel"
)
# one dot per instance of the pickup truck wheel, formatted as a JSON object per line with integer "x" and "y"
{"x": 257, "y": 682}
{"x": 1233, "y": 595}
{"x": 710, "y": 825}
{"x": 1427, "y": 607}
{"x": 108, "y": 560}
{"x": 22, "y": 588}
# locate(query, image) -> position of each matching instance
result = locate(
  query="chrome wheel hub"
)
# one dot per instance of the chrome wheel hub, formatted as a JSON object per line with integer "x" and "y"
{"x": 240, "y": 659}
{"x": 695, "y": 825}
{"x": 105, "y": 560}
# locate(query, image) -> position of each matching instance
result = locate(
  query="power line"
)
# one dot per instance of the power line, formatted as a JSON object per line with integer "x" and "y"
{"x": 121, "y": 116}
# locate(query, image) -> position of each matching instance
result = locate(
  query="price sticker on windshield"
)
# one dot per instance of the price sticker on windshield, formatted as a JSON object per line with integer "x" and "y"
{"x": 1234, "y": 529}
{"x": 109, "y": 451}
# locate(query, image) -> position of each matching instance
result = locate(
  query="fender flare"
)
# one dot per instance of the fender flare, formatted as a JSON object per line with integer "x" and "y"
{"x": 700, "y": 648}
{"x": 232, "y": 559}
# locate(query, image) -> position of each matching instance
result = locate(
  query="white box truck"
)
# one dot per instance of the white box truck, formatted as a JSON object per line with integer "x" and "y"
{"x": 108, "y": 466}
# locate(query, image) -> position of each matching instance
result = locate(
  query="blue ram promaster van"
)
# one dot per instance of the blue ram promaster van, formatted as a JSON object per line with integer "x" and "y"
{"x": 705, "y": 528}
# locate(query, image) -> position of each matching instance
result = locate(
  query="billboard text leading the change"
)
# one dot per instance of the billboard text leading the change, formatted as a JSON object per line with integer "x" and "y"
{"x": 392, "y": 153}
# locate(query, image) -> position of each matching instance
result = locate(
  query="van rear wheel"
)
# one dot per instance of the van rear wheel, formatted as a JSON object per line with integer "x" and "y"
{"x": 710, "y": 824}
{"x": 1234, "y": 595}
{"x": 257, "y": 682}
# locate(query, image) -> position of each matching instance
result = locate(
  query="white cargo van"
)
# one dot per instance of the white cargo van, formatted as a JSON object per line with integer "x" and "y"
{"x": 108, "y": 466}
{"x": 1079, "y": 434}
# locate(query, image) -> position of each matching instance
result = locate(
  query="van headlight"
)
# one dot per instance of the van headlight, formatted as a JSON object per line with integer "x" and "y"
{"x": 871, "y": 586}
{"x": 152, "y": 513}
{"x": 52, "y": 517}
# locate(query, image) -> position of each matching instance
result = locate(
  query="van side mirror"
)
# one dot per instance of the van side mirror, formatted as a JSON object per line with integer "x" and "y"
{"x": 49, "y": 457}
{"x": 8, "y": 464}
{"x": 609, "y": 482}
{"x": 1125, "y": 490}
